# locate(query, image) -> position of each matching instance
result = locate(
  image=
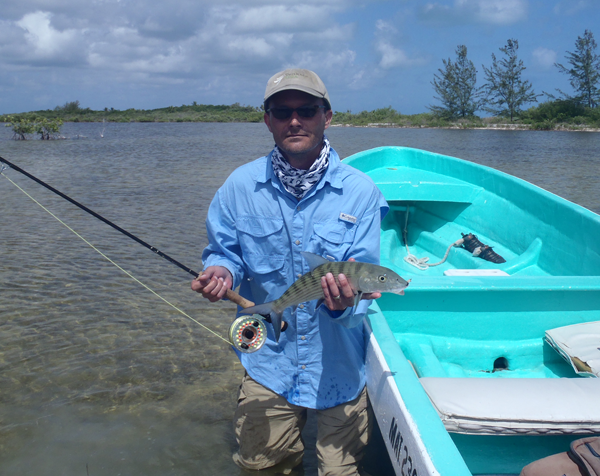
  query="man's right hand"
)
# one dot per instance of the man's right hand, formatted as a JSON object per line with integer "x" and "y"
{"x": 213, "y": 283}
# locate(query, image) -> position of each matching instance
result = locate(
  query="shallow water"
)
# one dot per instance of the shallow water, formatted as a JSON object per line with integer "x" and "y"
{"x": 94, "y": 369}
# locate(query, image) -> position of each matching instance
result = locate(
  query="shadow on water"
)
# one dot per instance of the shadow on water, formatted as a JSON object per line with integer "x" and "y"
{"x": 96, "y": 370}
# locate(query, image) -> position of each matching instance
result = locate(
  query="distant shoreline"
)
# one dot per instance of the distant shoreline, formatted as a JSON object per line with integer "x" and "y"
{"x": 490, "y": 127}
{"x": 546, "y": 116}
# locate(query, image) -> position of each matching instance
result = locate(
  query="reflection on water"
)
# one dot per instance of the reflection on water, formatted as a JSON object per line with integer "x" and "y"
{"x": 94, "y": 370}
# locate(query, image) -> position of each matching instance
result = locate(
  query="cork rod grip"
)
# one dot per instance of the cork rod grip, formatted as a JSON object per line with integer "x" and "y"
{"x": 239, "y": 300}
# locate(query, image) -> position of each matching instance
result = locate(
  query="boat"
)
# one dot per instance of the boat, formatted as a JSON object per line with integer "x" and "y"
{"x": 488, "y": 362}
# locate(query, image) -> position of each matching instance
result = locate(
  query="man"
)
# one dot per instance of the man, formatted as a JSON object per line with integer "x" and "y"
{"x": 298, "y": 198}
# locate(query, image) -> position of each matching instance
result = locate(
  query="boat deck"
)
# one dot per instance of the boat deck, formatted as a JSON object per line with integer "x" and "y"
{"x": 493, "y": 333}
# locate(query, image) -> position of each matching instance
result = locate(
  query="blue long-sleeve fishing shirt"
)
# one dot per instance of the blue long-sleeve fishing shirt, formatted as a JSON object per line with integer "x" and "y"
{"x": 256, "y": 229}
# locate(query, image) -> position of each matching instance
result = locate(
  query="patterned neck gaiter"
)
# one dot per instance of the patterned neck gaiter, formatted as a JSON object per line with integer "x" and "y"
{"x": 298, "y": 181}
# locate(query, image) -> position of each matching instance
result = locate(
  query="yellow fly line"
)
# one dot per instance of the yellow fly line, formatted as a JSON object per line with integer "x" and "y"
{"x": 115, "y": 264}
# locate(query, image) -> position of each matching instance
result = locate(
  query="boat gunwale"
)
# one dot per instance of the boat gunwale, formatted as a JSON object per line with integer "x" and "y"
{"x": 483, "y": 169}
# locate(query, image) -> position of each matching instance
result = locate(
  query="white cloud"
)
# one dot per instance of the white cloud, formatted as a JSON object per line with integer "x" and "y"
{"x": 198, "y": 38}
{"x": 494, "y": 12}
{"x": 46, "y": 42}
{"x": 283, "y": 18}
{"x": 332, "y": 34}
{"x": 136, "y": 46}
{"x": 499, "y": 12}
{"x": 391, "y": 56}
{"x": 383, "y": 27}
{"x": 544, "y": 57}
{"x": 338, "y": 61}
{"x": 157, "y": 36}
{"x": 253, "y": 46}
{"x": 571, "y": 7}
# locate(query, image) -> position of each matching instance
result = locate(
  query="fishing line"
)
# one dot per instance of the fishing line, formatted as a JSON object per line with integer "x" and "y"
{"x": 100, "y": 252}
{"x": 96, "y": 215}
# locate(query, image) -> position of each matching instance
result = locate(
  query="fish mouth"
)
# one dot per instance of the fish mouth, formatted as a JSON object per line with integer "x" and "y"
{"x": 400, "y": 292}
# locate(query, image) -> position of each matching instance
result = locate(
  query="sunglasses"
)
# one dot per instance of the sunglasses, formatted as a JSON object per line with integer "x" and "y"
{"x": 286, "y": 112}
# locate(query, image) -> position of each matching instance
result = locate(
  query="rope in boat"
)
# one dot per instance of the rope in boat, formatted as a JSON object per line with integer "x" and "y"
{"x": 422, "y": 263}
{"x": 110, "y": 260}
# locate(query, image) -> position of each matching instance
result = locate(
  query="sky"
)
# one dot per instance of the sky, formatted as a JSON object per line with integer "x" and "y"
{"x": 370, "y": 53}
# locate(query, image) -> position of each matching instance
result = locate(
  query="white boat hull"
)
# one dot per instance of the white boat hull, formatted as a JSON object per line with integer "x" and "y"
{"x": 400, "y": 433}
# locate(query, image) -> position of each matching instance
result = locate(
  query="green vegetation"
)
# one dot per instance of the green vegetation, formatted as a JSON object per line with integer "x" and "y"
{"x": 584, "y": 72}
{"x": 388, "y": 117}
{"x": 560, "y": 114}
{"x": 505, "y": 91}
{"x": 48, "y": 128}
{"x": 455, "y": 87}
{"x": 25, "y": 125}
{"x": 556, "y": 114}
{"x": 22, "y": 127}
{"x": 72, "y": 112}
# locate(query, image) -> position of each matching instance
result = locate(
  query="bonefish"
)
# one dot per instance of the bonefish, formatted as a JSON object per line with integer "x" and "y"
{"x": 362, "y": 277}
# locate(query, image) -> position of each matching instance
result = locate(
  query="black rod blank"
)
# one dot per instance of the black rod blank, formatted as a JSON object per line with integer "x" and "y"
{"x": 100, "y": 217}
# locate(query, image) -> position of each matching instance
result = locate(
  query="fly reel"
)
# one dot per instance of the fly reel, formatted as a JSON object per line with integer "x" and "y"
{"x": 248, "y": 333}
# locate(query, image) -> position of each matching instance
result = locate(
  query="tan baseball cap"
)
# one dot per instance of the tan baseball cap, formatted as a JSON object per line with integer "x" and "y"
{"x": 299, "y": 79}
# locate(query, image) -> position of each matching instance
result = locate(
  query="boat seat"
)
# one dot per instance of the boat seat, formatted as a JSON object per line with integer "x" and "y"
{"x": 475, "y": 272}
{"x": 578, "y": 344}
{"x": 516, "y": 406}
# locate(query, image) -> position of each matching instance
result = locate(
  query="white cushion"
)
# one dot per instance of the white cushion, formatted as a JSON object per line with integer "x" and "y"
{"x": 579, "y": 344}
{"x": 516, "y": 406}
{"x": 475, "y": 272}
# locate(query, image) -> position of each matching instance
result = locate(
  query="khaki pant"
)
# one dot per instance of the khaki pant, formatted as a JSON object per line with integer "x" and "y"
{"x": 268, "y": 430}
{"x": 555, "y": 465}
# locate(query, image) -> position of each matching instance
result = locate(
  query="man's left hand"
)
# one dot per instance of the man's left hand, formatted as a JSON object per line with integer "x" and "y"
{"x": 338, "y": 298}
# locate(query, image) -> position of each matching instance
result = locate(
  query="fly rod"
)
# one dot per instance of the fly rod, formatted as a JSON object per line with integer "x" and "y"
{"x": 231, "y": 295}
{"x": 247, "y": 334}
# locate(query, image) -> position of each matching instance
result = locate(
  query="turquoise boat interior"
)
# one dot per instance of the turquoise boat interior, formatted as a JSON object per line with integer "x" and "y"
{"x": 497, "y": 333}
{"x": 437, "y": 198}
{"x": 472, "y": 318}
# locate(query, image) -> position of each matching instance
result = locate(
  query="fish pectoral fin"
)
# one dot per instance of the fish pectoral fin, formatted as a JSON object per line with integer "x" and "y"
{"x": 357, "y": 298}
{"x": 319, "y": 302}
{"x": 276, "y": 322}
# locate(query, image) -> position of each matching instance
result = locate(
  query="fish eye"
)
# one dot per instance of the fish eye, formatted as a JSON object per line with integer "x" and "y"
{"x": 382, "y": 278}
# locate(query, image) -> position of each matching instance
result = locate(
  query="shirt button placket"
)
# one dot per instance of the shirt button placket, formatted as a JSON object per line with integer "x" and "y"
{"x": 301, "y": 310}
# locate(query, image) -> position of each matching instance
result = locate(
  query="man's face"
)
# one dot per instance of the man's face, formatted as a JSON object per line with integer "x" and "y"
{"x": 299, "y": 138}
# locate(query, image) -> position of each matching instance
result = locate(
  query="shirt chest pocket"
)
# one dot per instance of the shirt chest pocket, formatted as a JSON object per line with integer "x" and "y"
{"x": 333, "y": 238}
{"x": 261, "y": 240}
